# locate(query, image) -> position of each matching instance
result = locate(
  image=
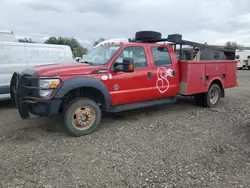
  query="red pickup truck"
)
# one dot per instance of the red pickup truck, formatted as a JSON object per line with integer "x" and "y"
{"x": 118, "y": 77}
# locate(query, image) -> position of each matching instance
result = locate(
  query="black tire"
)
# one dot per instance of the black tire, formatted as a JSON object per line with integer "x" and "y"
{"x": 73, "y": 128}
{"x": 200, "y": 99}
{"x": 248, "y": 67}
{"x": 204, "y": 99}
{"x": 147, "y": 35}
{"x": 12, "y": 96}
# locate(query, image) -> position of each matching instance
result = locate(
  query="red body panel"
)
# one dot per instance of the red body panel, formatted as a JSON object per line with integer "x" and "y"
{"x": 69, "y": 69}
{"x": 135, "y": 86}
{"x": 173, "y": 82}
{"x": 196, "y": 76}
{"x": 187, "y": 77}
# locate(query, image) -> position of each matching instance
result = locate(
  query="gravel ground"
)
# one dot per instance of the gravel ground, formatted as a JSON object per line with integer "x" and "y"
{"x": 176, "y": 145}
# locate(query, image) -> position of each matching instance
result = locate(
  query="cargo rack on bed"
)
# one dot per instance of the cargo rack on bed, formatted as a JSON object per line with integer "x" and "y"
{"x": 176, "y": 39}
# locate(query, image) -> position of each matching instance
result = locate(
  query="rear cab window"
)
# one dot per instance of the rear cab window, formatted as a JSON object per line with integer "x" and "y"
{"x": 161, "y": 56}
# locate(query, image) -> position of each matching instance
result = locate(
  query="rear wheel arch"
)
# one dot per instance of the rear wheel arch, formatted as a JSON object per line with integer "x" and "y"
{"x": 219, "y": 83}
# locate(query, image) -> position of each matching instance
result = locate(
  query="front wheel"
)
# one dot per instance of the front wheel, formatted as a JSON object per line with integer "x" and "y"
{"x": 82, "y": 116}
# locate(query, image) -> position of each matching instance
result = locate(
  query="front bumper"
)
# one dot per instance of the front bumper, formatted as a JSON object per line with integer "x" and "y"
{"x": 24, "y": 94}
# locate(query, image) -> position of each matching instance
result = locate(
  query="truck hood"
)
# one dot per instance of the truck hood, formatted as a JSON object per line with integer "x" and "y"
{"x": 64, "y": 69}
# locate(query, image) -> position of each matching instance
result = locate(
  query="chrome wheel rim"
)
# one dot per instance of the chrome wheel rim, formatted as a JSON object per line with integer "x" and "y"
{"x": 214, "y": 96}
{"x": 83, "y": 117}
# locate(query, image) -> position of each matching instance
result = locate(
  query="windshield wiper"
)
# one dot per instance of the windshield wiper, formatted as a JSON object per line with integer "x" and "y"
{"x": 87, "y": 62}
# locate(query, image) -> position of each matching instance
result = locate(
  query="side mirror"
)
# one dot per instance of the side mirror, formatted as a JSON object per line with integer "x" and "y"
{"x": 127, "y": 65}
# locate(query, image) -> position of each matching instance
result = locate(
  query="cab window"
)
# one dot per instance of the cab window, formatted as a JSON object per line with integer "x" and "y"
{"x": 135, "y": 52}
{"x": 161, "y": 56}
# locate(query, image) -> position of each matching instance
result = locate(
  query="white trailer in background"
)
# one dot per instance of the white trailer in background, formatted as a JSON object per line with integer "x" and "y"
{"x": 242, "y": 56}
{"x": 7, "y": 36}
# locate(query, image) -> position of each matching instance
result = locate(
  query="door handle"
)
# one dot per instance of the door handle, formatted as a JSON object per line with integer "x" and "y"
{"x": 173, "y": 73}
{"x": 149, "y": 75}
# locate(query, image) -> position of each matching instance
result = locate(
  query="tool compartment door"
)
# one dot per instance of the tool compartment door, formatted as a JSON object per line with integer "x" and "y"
{"x": 231, "y": 75}
{"x": 192, "y": 77}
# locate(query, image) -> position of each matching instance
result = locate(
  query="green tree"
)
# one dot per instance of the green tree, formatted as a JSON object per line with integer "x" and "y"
{"x": 77, "y": 49}
{"x": 233, "y": 45}
{"x": 26, "y": 40}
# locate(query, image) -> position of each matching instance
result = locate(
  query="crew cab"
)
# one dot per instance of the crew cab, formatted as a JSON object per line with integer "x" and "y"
{"x": 118, "y": 77}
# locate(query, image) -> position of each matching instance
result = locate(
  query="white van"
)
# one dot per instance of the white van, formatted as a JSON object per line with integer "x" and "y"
{"x": 7, "y": 36}
{"x": 17, "y": 56}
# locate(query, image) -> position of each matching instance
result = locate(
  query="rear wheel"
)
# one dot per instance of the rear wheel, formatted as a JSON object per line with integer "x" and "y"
{"x": 199, "y": 99}
{"x": 82, "y": 116}
{"x": 211, "y": 98}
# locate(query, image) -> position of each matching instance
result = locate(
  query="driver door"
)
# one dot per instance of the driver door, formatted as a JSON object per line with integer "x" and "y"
{"x": 131, "y": 87}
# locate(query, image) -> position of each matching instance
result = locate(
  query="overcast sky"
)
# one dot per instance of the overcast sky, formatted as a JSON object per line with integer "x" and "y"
{"x": 214, "y": 21}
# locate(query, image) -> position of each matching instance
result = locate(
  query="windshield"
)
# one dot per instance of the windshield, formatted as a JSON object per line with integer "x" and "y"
{"x": 100, "y": 55}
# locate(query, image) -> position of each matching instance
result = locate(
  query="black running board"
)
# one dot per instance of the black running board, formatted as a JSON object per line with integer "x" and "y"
{"x": 143, "y": 104}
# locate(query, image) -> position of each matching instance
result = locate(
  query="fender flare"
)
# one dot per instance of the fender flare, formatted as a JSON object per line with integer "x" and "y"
{"x": 216, "y": 78}
{"x": 221, "y": 82}
{"x": 79, "y": 82}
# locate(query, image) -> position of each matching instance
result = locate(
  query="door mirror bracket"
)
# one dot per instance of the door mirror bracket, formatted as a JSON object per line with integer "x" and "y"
{"x": 127, "y": 65}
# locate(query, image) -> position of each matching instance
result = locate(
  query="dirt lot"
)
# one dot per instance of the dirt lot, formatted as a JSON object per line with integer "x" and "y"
{"x": 177, "y": 145}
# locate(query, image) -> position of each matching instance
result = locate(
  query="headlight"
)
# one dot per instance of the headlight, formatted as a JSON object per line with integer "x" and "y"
{"x": 48, "y": 85}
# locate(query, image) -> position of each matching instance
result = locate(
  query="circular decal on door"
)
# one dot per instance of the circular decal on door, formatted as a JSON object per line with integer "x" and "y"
{"x": 104, "y": 77}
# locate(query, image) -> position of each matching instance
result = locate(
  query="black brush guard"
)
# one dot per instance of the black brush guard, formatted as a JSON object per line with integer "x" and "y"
{"x": 22, "y": 89}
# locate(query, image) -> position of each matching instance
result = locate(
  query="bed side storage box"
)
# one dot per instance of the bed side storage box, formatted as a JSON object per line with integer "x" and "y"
{"x": 196, "y": 76}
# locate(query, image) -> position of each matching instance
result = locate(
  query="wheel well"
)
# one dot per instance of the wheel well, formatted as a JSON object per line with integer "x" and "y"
{"x": 218, "y": 82}
{"x": 88, "y": 92}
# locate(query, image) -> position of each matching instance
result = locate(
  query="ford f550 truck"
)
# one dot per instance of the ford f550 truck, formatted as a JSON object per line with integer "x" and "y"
{"x": 121, "y": 76}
